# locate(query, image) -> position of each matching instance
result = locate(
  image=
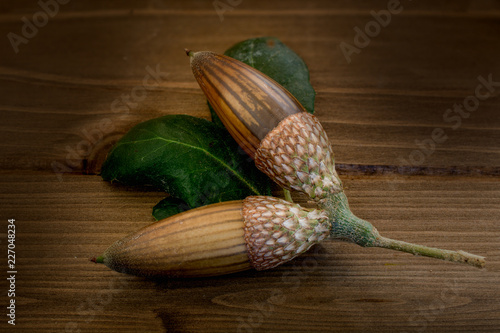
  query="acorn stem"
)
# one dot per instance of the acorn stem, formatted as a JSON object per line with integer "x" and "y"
{"x": 420, "y": 250}
{"x": 189, "y": 53}
{"x": 347, "y": 226}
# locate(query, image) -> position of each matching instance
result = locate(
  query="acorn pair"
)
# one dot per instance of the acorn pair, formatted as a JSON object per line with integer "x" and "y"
{"x": 291, "y": 147}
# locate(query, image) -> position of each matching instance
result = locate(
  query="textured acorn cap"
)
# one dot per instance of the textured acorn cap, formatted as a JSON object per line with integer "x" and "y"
{"x": 276, "y": 231}
{"x": 297, "y": 155}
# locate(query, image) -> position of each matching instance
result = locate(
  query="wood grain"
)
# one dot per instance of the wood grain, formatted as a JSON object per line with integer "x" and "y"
{"x": 395, "y": 91}
{"x": 335, "y": 287}
{"x": 62, "y": 108}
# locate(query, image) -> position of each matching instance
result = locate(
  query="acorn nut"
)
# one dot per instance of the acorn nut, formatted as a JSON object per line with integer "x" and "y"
{"x": 259, "y": 232}
{"x": 287, "y": 143}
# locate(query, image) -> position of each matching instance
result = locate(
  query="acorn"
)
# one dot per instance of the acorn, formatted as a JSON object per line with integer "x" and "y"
{"x": 291, "y": 147}
{"x": 287, "y": 143}
{"x": 259, "y": 232}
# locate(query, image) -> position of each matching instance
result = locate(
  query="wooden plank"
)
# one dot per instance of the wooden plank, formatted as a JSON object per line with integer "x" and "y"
{"x": 56, "y": 105}
{"x": 395, "y": 91}
{"x": 337, "y": 287}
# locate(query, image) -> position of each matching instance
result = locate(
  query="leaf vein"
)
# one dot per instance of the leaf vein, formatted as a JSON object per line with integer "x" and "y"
{"x": 219, "y": 161}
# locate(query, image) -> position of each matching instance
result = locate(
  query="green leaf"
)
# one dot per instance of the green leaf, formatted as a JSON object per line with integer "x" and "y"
{"x": 273, "y": 58}
{"x": 191, "y": 158}
{"x": 169, "y": 207}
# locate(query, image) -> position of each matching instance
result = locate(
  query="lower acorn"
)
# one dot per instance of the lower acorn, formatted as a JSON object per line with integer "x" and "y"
{"x": 258, "y": 232}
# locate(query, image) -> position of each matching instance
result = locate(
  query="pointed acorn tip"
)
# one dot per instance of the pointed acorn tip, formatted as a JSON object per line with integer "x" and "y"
{"x": 189, "y": 53}
{"x": 97, "y": 260}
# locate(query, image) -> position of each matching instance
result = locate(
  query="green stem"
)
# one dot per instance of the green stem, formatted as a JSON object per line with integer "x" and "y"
{"x": 288, "y": 195}
{"x": 347, "y": 226}
{"x": 415, "y": 249}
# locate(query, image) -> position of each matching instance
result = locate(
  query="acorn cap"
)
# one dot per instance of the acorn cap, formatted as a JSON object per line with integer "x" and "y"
{"x": 297, "y": 155}
{"x": 249, "y": 103}
{"x": 276, "y": 231}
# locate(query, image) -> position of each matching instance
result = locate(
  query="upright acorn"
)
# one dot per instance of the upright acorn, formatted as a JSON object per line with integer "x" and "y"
{"x": 287, "y": 143}
{"x": 291, "y": 146}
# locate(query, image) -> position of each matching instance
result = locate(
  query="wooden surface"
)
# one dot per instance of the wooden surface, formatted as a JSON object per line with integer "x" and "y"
{"x": 63, "y": 82}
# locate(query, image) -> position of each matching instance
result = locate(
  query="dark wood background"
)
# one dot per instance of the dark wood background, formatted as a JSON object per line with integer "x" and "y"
{"x": 62, "y": 83}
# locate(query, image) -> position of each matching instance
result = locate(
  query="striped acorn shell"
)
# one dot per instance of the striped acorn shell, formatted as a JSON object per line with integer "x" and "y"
{"x": 277, "y": 231}
{"x": 223, "y": 238}
{"x": 249, "y": 103}
{"x": 204, "y": 241}
{"x": 297, "y": 155}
